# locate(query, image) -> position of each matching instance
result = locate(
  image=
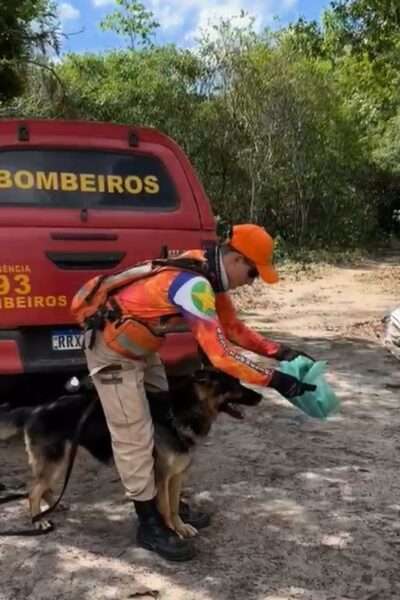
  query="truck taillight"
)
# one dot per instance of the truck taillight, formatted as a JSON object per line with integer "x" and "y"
{"x": 10, "y": 359}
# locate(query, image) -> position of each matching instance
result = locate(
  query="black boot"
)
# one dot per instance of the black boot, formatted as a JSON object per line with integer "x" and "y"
{"x": 154, "y": 535}
{"x": 195, "y": 518}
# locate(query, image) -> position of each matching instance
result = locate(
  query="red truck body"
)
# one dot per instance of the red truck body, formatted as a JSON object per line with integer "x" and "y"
{"x": 78, "y": 199}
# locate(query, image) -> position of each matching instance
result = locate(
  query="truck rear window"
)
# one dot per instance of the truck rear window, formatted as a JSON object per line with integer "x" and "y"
{"x": 85, "y": 179}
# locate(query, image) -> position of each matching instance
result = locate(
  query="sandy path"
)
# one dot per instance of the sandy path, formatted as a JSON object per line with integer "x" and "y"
{"x": 303, "y": 510}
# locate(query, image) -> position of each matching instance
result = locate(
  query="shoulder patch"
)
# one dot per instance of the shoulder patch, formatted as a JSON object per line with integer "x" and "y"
{"x": 203, "y": 297}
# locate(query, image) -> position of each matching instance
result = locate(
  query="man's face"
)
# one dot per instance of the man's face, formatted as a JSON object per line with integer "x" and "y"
{"x": 240, "y": 270}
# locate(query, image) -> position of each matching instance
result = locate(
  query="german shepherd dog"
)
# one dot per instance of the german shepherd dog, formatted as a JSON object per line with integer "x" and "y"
{"x": 181, "y": 417}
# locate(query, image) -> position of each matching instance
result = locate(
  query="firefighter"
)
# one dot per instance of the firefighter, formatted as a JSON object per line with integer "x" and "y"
{"x": 123, "y": 358}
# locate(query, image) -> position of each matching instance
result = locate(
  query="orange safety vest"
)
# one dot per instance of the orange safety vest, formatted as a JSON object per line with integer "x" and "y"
{"x": 132, "y": 307}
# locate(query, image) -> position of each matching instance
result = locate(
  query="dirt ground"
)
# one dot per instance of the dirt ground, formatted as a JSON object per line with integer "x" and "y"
{"x": 303, "y": 509}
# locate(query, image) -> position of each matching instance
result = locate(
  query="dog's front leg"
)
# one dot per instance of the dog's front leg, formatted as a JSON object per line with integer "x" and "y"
{"x": 38, "y": 489}
{"x": 184, "y": 530}
{"x": 163, "y": 502}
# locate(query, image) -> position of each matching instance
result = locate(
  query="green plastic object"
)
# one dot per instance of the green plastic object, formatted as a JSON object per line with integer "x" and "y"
{"x": 323, "y": 401}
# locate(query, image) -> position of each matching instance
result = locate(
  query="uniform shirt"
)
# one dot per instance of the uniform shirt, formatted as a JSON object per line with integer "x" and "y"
{"x": 211, "y": 318}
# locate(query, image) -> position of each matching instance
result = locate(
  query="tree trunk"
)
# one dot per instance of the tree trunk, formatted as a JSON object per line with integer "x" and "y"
{"x": 253, "y": 208}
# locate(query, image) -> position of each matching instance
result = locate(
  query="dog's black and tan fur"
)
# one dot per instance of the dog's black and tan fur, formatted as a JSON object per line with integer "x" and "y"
{"x": 195, "y": 401}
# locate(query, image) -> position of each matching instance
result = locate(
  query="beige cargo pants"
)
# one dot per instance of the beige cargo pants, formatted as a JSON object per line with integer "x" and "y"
{"x": 120, "y": 383}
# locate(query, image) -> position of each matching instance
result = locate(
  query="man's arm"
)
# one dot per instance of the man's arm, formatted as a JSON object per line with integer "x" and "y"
{"x": 236, "y": 331}
{"x": 245, "y": 337}
{"x": 196, "y": 300}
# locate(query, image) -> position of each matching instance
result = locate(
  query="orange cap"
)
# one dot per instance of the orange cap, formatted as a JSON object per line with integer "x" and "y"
{"x": 258, "y": 246}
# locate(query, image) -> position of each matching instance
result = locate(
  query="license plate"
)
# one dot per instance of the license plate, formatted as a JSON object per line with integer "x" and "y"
{"x": 68, "y": 339}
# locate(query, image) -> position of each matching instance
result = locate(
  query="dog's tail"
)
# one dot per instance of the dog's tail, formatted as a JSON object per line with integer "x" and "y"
{"x": 12, "y": 420}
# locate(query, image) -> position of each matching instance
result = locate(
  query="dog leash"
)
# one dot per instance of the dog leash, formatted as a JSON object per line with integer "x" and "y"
{"x": 71, "y": 461}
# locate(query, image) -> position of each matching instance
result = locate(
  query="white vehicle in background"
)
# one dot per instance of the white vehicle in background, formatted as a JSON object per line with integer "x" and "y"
{"x": 391, "y": 339}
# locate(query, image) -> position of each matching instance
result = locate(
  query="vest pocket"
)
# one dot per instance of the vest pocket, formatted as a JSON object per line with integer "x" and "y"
{"x": 131, "y": 338}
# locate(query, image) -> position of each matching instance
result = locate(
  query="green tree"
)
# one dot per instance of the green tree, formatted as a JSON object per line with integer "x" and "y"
{"x": 133, "y": 21}
{"x": 304, "y": 37}
{"x": 28, "y": 29}
{"x": 288, "y": 152}
{"x": 371, "y": 26}
{"x": 362, "y": 38}
{"x": 154, "y": 87}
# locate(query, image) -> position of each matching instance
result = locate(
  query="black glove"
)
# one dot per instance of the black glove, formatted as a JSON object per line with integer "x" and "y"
{"x": 288, "y": 386}
{"x": 286, "y": 353}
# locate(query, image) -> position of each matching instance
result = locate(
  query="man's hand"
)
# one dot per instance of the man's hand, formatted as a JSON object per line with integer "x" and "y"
{"x": 288, "y": 386}
{"x": 286, "y": 353}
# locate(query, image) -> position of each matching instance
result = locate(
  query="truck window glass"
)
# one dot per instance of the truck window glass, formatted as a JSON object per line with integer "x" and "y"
{"x": 85, "y": 179}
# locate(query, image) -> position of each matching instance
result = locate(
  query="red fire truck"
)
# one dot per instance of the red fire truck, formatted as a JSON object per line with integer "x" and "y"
{"x": 77, "y": 199}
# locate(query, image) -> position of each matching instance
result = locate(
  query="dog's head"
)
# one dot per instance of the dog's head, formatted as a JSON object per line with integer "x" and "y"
{"x": 198, "y": 399}
{"x": 220, "y": 392}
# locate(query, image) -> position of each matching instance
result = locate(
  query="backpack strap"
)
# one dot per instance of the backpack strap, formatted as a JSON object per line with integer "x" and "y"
{"x": 111, "y": 311}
